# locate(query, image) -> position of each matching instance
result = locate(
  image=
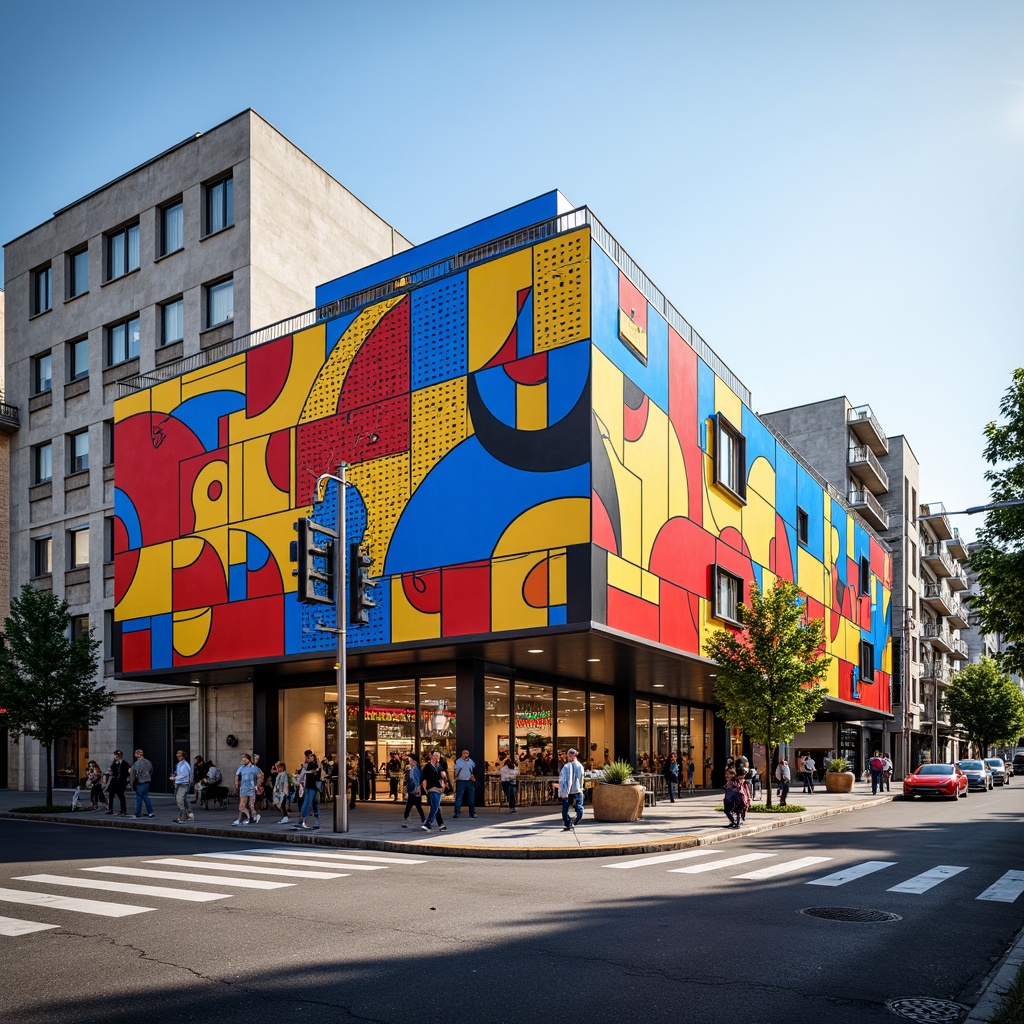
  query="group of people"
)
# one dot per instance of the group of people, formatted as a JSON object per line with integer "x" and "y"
{"x": 106, "y": 788}
{"x": 677, "y": 770}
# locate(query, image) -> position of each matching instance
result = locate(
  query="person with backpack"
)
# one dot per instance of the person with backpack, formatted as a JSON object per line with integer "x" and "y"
{"x": 876, "y": 765}
{"x": 736, "y": 799}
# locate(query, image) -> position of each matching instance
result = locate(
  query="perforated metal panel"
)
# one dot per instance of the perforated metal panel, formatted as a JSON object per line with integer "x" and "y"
{"x": 439, "y": 332}
{"x": 439, "y": 422}
{"x": 561, "y": 290}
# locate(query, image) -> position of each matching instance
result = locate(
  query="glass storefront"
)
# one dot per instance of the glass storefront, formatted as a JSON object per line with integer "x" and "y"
{"x": 662, "y": 729}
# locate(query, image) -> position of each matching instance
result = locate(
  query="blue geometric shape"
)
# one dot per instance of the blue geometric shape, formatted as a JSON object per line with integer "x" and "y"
{"x": 557, "y": 614}
{"x": 498, "y": 392}
{"x": 238, "y": 579}
{"x": 568, "y": 372}
{"x": 256, "y": 553}
{"x": 161, "y": 641}
{"x": 439, "y": 332}
{"x": 202, "y": 414}
{"x": 705, "y": 402}
{"x": 125, "y": 510}
{"x": 524, "y": 329}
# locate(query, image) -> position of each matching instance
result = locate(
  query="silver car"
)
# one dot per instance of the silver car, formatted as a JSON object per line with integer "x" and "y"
{"x": 997, "y": 766}
{"x": 978, "y": 774}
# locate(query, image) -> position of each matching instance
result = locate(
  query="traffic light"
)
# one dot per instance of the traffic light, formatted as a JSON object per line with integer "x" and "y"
{"x": 361, "y": 602}
{"x": 314, "y": 565}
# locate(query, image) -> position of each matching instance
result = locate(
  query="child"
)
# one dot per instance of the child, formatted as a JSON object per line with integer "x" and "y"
{"x": 282, "y": 790}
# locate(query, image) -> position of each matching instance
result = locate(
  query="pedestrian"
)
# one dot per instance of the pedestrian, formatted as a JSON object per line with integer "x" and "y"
{"x": 182, "y": 779}
{"x": 876, "y": 765}
{"x": 368, "y": 780}
{"x": 570, "y": 789}
{"x": 783, "y": 776}
{"x": 465, "y": 783}
{"x": 199, "y": 769}
{"x": 690, "y": 768}
{"x": 282, "y": 791}
{"x": 117, "y": 779}
{"x": 94, "y": 781}
{"x": 212, "y": 778}
{"x": 826, "y": 761}
{"x": 394, "y": 771}
{"x": 352, "y": 771}
{"x": 434, "y": 783}
{"x": 247, "y": 778}
{"x": 141, "y": 775}
{"x": 808, "y": 766}
{"x": 510, "y": 783}
{"x": 886, "y": 771}
{"x": 736, "y": 800}
{"x": 671, "y": 773}
{"x": 413, "y": 798}
{"x": 309, "y": 791}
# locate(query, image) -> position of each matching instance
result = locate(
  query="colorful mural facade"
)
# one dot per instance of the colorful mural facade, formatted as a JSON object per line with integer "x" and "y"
{"x": 528, "y": 447}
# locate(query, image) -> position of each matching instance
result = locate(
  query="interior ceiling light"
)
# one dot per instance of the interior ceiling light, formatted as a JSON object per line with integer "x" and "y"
{"x": 659, "y": 686}
{"x": 535, "y": 650}
{"x": 593, "y": 659}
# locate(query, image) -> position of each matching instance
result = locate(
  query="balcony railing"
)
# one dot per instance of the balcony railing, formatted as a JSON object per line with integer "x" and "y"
{"x": 960, "y": 651}
{"x": 958, "y": 615}
{"x": 863, "y": 461}
{"x": 938, "y": 636}
{"x": 939, "y": 596}
{"x": 938, "y": 521}
{"x": 958, "y": 580}
{"x": 958, "y": 546}
{"x": 937, "y": 557}
{"x": 9, "y": 417}
{"x": 867, "y": 429}
{"x": 867, "y": 505}
{"x": 934, "y": 672}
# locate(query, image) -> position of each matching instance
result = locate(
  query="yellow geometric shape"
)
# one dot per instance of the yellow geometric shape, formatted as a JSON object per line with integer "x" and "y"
{"x": 759, "y": 527}
{"x": 721, "y": 510}
{"x": 493, "y": 303}
{"x": 440, "y": 422}
{"x": 238, "y": 543}
{"x": 650, "y": 586}
{"x": 633, "y": 335}
{"x": 811, "y": 576}
{"x": 646, "y": 459}
{"x": 761, "y": 479}
{"x": 210, "y": 512}
{"x": 150, "y": 590}
{"x": 509, "y": 609}
{"x": 561, "y": 290}
{"x": 225, "y": 375}
{"x": 551, "y": 524}
{"x": 261, "y": 495}
{"x": 624, "y": 575}
{"x": 186, "y": 551}
{"x": 531, "y": 406}
{"x": 384, "y": 485}
{"x": 728, "y": 403}
{"x": 190, "y": 630}
{"x": 408, "y": 623}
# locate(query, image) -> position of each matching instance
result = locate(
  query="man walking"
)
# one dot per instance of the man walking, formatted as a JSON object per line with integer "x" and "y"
{"x": 182, "y": 779}
{"x": 141, "y": 775}
{"x": 671, "y": 773}
{"x": 808, "y": 766}
{"x": 570, "y": 789}
{"x": 876, "y": 765}
{"x": 117, "y": 775}
{"x": 782, "y": 775}
{"x": 465, "y": 783}
{"x": 435, "y": 778}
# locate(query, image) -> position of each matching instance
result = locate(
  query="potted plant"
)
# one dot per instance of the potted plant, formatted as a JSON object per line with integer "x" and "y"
{"x": 615, "y": 796}
{"x": 839, "y": 777}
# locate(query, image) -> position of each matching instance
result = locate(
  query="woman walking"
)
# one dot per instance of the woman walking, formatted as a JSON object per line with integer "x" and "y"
{"x": 246, "y": 780}
{"x": 510, "y": 783}
{"x": 94, "y": 781}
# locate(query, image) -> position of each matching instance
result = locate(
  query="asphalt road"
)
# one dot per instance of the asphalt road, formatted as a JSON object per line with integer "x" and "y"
{"x": 505, "y": 942}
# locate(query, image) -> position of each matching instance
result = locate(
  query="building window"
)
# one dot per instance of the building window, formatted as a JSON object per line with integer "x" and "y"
{"x": 728, "y": 594}
{"x": 803, "y": 526}
{"x": 730, "y": 458}
{"x": 42, "y": 556}
{"x": 42, "y": 294}
{"x": 78, "y": 359}
{"x": 865, "y": 576}
{"x": 108, "y": 442}
{"x": 42, "y": 373}
{"x": 219, "y": 205}
{"x": 108, "y": 634}
{"x": 172, "y": 228}
{"x": 42, "y": 463}
{"x": 78, "y": 548}
{"x": 867, "y": 661}
{"x": 78, "y": 273}
{"x": 78, "y": 452}
{"x": 122, "y": 252}
{"x": 108, "y": 539}
{"x": 172, "y": 322}
{"x": 220, "y": 302}
{"x": 123, "y": 341}
{"x": 79, "y": 627}
{"x": 913, "y": 559}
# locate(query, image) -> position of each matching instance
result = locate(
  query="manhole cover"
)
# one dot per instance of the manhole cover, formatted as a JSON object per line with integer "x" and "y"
{"x": 854, "y": 915}
{"x": 929, "y": 1011}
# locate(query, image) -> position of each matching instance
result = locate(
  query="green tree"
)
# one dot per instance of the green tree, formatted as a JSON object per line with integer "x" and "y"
{"x": 47, "y": 680}
{"x": 999, "y": 562}
{"x": 985, "y": 705}
{"x": 768, "y": 670}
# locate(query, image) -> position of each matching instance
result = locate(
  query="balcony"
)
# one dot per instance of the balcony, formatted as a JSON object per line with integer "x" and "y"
{"x": 938, "y": 636}
{"x": 938, "y": 596}
{"x": 938, "y": 521}
{"x": 937, "y": 557}
{"x": 867, "y": 505}
{"x": 958, "y": 615}
{"x": 958, "y": 546}
{"x": 934, "y": 672}
{"x": 867, "y": 429}
{"x": 958, "y": 581}
{"x": 9, "y": 419}
{"x": 864, "y": 465}
{"x": 959, "y": 651}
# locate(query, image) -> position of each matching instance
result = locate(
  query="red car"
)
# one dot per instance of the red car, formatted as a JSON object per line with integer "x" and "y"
{"x": 935, "y": 780}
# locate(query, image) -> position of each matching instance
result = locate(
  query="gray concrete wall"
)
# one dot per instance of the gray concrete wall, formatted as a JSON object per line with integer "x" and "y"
{"x": 819, "y": 432}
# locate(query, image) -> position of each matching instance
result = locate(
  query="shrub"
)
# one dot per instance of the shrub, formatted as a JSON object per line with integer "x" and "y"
{"x": 840, "y": 764}
{"x": 618, "y": 772}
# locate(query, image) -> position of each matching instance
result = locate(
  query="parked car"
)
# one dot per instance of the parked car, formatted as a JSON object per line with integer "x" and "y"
{"x": 1018, "y": 764}
{"x": 978, "y": 775}
{"x": 997, "y": 766}
{"x": 935, "y": 780}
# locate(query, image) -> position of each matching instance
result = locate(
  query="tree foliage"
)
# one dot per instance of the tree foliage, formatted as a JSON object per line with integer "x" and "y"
{"x": 985, "y": 705}
{"x": 47, "y": 680}
{"x": 1000, "y": 561}
{"x": 768, "y": 670}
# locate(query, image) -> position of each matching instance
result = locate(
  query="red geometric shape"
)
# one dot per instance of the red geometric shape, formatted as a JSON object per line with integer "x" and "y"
{"x": 266, "y": 371}
{"x": 201, "y": 584}
{"x": 380, "y": 369}
{"x": 120, "y": 536}
{"x": 423, "y": 591}
{"x": 188, "y": 471}
{"x": 214, "y": 490}
{"x": 466, "y": 599}
{"x": 632, "y": 614}
{"x": 126, "y": 564}
{"x": 602, "y": 532}
{"x": 278, "y": 459}
{"x": 682, "y": 413}
{"x": 507, "y": 352}
{"x": 135, "y": 652}
{"x": 732, "y": 537}
{"x": 265, "y": 581}
{"x": 535, "y": 586}
{"x": 240, "y": 631}
{"x": 632, "y": 302}
{"x": 529, "y": 370}
{"x": 781, "y": 556}
{"x": 681, "y": 554}
{"x": 680, "y": 613}
{"x": 845, "y": 679}
{"x": 634, "y": 421}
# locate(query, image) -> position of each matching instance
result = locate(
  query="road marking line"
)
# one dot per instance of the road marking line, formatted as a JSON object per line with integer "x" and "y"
{"x": 183, "y": 876}
{"x": 81, "y": 906}
{"x": 257, "y": 859}
{"x": 852, "y": 873}
{"x": 1006, "y": 890}
{"x": 782, "y": 869}
{"x": 12, "y": 926}
{"x": 306, "y": 852}
{"x": 180, "y": 862}
{"x": 927, "y": 879}
{"x": 665, "y": 858}
{"x": 746, "y": 858}
{"x": 128, "y": 887}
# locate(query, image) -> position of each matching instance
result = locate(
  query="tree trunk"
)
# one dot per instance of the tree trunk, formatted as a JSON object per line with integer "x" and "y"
{"x": 49, "y": 774}
{"x": 769, "y": 774}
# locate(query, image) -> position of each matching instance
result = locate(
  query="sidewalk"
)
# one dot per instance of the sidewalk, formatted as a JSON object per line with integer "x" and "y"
{"x": 532, "y": 832}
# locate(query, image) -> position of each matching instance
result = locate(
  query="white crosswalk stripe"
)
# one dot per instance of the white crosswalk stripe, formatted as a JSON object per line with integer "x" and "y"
{"x": 81, "y": 906}
{"x": 256, "y": 858}
{"x": 11, "y": 926}
{"x": 184, "y": 876}
{"x": 332, "y": 855}
{"x": 162, "y": 891}
{"x": 1006, "y": 890}
{"x": 664, "y": 858}
{"x": 182, "y": 862}
{"x": 782, "y": 869}
{"x": 745, "y": 858}
{"x": 927, "y": 879}
{"x": 853, "y": 872}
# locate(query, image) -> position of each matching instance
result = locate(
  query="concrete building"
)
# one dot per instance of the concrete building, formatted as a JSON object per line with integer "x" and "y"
{"x": 222, "y": 233}
{"x": 881, "y": 477}
{"x": 8, "y": 425}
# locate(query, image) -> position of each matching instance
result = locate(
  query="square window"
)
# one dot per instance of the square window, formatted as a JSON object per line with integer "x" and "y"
{"x": 865, "y": 576}
{"x": 122, "y": 252}
{"x": 78, "y": 273}
{"x": 219, "y": 205}
{"x": 41, "y": 290}
{"x": 42, "y": 556}
{"x": 42, "y": 463}
{"x": 803, "y": 526}
{"x": 867, "y": 661}
{"x": 730, "y": 458}
{"x": 728, "y": 594}
{"x": 42, "y": 373}
{"x": 123, "y": 341}
{"x": 79, "y": 627}
{"x": 78, "y": 452}
{"x": 172, "y": 321}
{"x": 78, "y": 548}
{"x": 172, "y": 228}
{"x": 78, "y": 359}
{"x": 220, "y": 302}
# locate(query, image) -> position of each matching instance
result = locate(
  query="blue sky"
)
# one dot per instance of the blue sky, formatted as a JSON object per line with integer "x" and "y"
{"x": 831, "y": 193}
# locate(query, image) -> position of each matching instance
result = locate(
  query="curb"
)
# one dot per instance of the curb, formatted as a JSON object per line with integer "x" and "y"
{"x": 998, "y": 983}
{"x": 680, "y": 842}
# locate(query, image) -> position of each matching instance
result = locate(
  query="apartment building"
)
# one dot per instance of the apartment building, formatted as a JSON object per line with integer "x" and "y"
{"x": 8, "y": 425}
{"x": 881, "y": 477}
{"x": 227, "y": 231}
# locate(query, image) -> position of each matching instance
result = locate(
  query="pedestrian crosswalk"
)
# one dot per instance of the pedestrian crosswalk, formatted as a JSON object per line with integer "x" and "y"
{"x": 703, "y": 860}
{"x": 211, "y": 877}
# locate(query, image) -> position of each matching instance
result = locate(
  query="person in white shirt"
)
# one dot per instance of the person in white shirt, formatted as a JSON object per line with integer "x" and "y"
{"x": 570, "y": 789}
{"x": 808, "y": 766}
{"x": 510, "y": 783}
{"x": 182, "y": 779}
{"x": 465, "y": 783}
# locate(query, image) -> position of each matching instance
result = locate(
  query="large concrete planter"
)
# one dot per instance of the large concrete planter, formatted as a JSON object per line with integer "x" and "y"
{"x": 839, "y": 782}
{"x": 623, "y": 802}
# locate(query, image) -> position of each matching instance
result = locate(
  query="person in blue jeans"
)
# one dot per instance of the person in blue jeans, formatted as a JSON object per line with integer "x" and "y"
{"x": 141, "y": 775}
{"x": 570, "y": 789}
{"x": 465, "y": 784}
{"x": 671, "y": 773}
{"x": 435, "y": 778}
